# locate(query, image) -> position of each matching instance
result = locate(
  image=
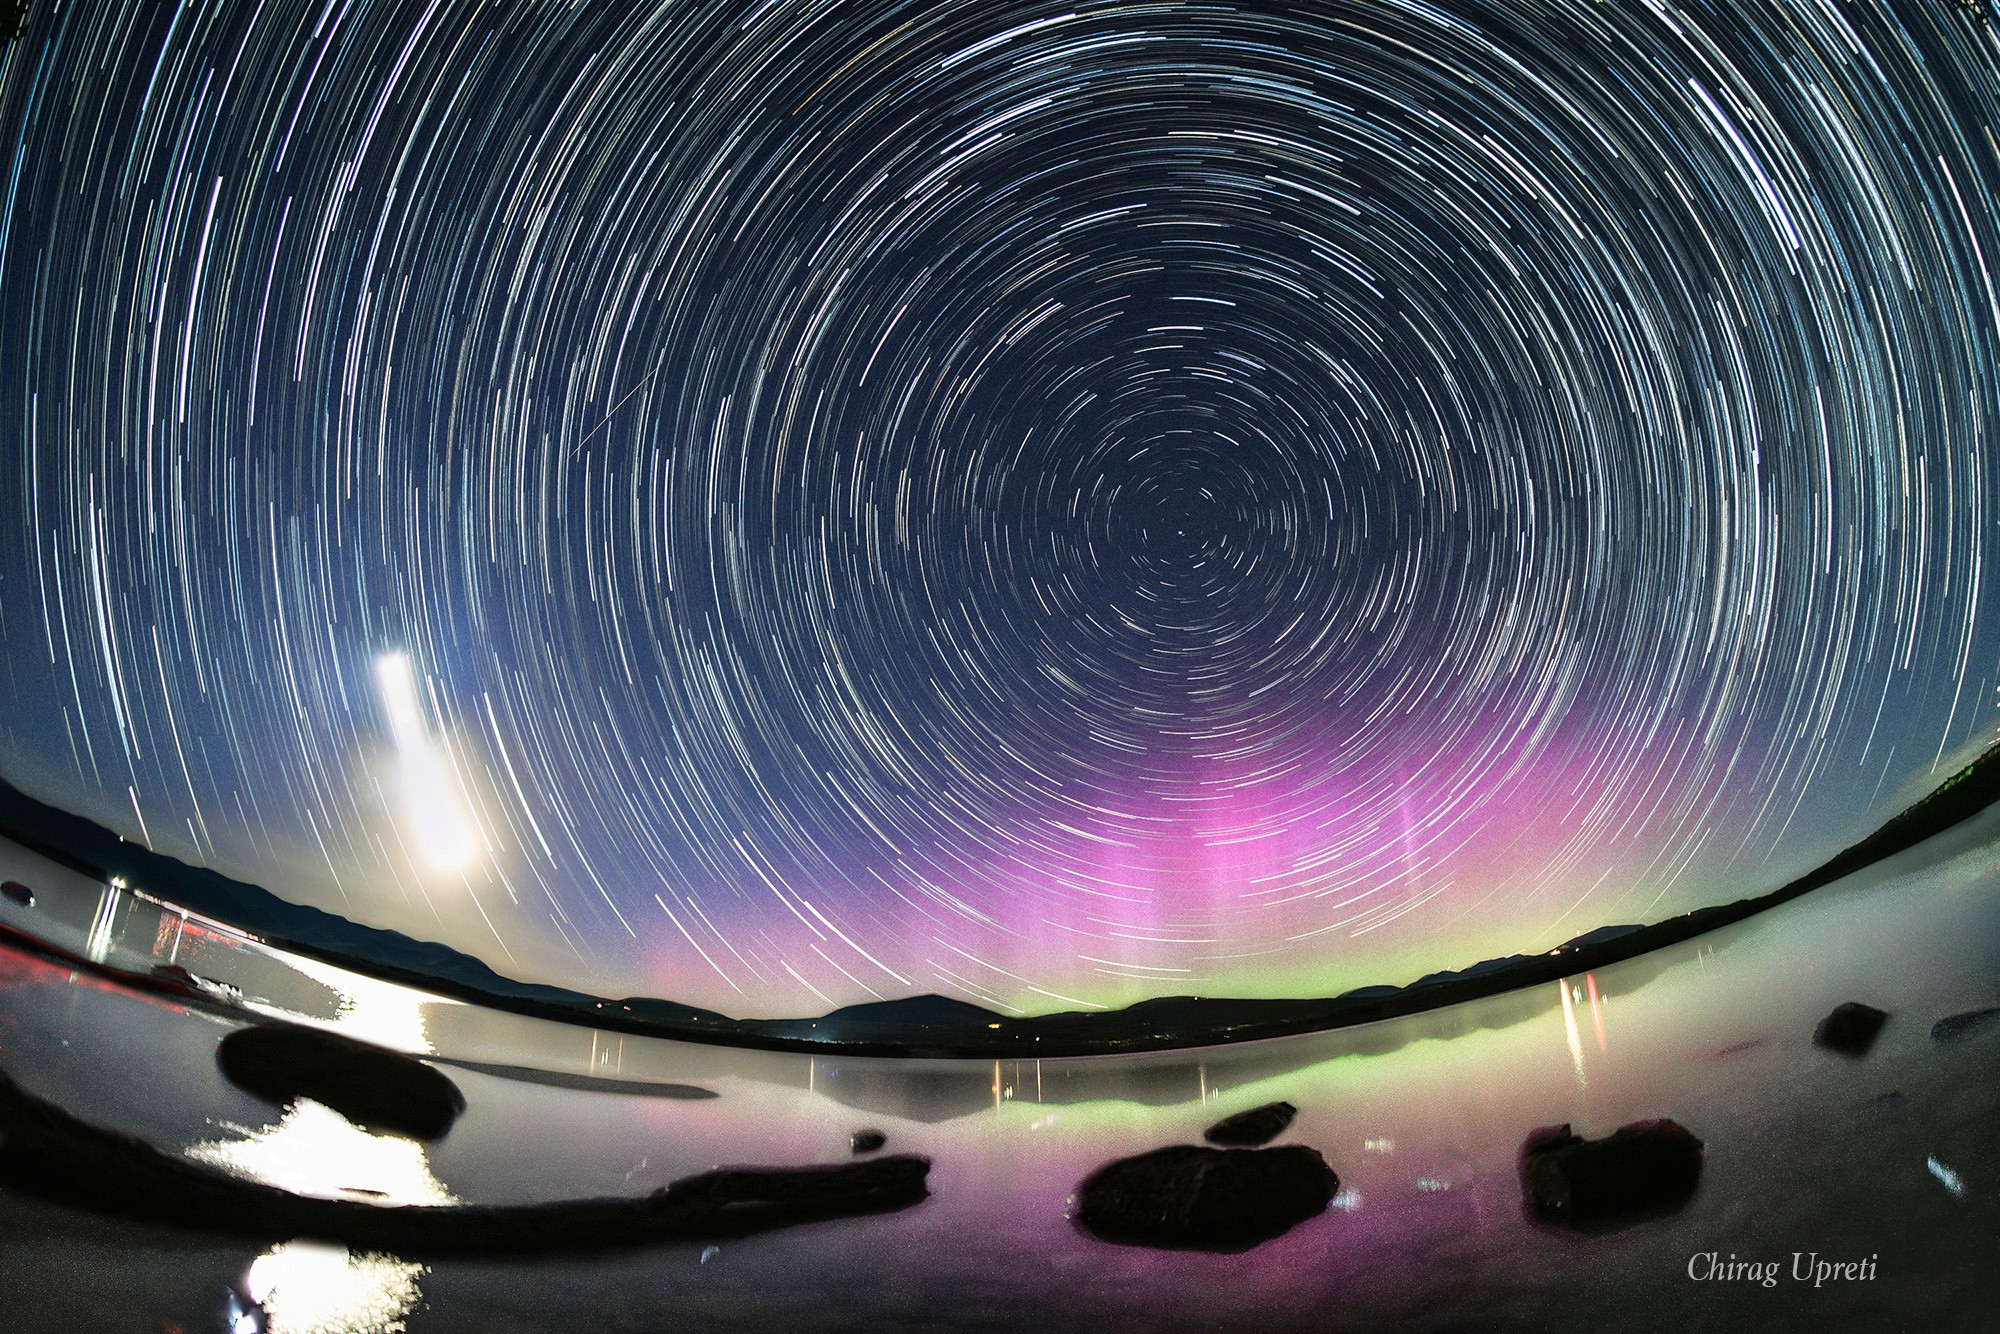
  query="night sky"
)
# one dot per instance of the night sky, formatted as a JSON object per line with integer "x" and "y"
{"x": 776, "y": 506}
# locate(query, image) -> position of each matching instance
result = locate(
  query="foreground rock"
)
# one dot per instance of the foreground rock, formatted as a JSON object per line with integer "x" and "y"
{"x": 1645, "y": 1167}
{"x": 1953, "y": 1027}
{"x": 48, "y": 1152}
{"x": 1851, "y": 1029}
{"x": 1259, "y": 1125}
{"x": 1200, "y": 1198}
{"x": 371, "y": 1086}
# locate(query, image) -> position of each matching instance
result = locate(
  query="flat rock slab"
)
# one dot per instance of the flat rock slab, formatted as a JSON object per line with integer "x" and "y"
{"x": 1646, "y": 1167}
{"x": 1953, "y": 1027}
{"x": 1247, "y": 1130}
{"x": 373, "y": 1087}
{"x": 1851, "y": 1029}
{"x": 1197, "y": 1198}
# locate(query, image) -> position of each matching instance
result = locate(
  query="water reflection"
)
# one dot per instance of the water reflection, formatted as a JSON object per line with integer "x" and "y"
{"x": 921, "y": 1090}
{"x": 314, "y": 1150}
{"x": 306, "y": 1287}
{"x": 370, "y": 1010}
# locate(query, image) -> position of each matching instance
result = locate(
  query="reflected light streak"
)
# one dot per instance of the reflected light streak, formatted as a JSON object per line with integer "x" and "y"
{"x": 427, "y": 784}
{"x": 97, "y": 945}
{"x": 1569, "y": 1030}
{"x": 384, "y": 1013}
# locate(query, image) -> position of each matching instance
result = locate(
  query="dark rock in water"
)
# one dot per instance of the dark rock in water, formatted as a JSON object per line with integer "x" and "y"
{"x": 18, "y": 892}
{"x": 46, "y": 1151}
{"x": 371, "y": 1086}
{"x": 1953, "y": 1027}
{"x": 1640, "y": 1168}
{"x": 1850, "y": 1029}
{"x": 1259, "y": 1125}
{"x": 1210, "y": 1199}
{"x": 867, "y": 1141}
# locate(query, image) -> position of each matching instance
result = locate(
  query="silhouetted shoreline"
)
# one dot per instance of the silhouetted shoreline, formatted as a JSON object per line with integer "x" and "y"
{"x": 931, "y": 1025}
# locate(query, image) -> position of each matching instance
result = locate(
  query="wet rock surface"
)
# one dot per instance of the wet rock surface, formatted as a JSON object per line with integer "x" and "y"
{"x": 18, "y": 892}
{"x": 197, "y": 985}
{"x": 373, "y": 1087}
{"x": 1193, "y": 1197}
{"x": 866, "y": 1141}
{"x": 46, "y": 1151}
{"x": 1851, "y": 1029}
{"x": 1259, "y": 1125}
{"x": 1637, "y": 1170}
{"x": 1953, "y": 1027}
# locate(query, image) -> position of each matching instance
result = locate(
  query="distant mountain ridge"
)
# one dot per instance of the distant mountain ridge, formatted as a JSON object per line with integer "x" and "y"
{"x": 929, "y": 1025}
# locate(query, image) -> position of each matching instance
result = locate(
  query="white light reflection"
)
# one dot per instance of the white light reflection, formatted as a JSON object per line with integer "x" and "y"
{"x": 427, "y": 784}
{"x": 371, "y": 1010}
{"x": 314, "y": 1150}
{"x": 1569, "y": 1028}
{"x": 310, "y": 1288}
{"x": 97, "y": 945}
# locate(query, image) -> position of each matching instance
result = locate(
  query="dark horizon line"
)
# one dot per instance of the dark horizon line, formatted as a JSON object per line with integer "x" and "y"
{"x": 929, "y": 1025}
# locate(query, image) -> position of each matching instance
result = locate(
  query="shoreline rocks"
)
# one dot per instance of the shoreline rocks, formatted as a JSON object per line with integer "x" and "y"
{"x": 1192, "y": 1197}
{"x": 1645, "y": 1167}
{"x": 1851, "y": 1029}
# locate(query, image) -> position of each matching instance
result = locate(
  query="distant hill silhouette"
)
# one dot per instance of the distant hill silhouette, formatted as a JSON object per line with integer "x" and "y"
{"x": 933, "y": 1025}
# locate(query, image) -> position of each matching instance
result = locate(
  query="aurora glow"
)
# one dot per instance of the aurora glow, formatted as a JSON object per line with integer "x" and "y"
{"x": 1041, "y": 503}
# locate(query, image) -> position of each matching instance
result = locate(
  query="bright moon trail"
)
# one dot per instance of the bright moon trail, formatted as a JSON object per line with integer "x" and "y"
{"x": 429, "y": 799}
{"x": 774, "y": 506}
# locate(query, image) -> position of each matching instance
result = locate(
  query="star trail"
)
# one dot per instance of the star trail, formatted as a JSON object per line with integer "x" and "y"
{"x": 778, "y": 505}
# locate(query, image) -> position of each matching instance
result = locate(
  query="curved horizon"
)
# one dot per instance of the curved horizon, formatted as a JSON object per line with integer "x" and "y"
{"x": 1050, "y": 506}
{"x": 930, "y": 1025}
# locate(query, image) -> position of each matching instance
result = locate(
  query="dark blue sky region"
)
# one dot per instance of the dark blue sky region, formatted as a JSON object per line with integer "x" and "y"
{"x": 778, "y": 505}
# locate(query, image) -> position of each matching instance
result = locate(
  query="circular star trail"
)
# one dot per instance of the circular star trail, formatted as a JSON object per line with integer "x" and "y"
{"x": 780, "y": 505}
